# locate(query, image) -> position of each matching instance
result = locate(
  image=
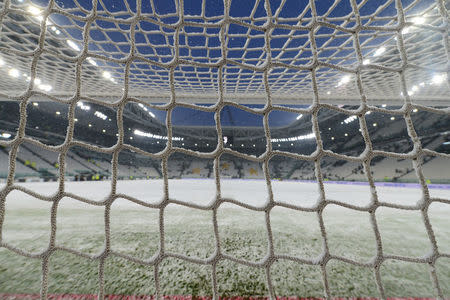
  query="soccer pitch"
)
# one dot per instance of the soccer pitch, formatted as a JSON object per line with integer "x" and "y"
{"x": 242, "y": 232}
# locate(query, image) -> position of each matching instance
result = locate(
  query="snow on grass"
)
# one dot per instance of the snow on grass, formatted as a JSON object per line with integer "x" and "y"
{"x": 243, "y": 234}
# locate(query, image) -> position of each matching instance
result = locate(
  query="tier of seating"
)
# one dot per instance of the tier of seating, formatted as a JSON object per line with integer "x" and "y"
{"x": 34, "y": 162}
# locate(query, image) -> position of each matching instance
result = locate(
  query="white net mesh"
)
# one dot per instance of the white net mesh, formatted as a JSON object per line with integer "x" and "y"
{"x": 136, "y": 46}
{"x": 356, "y": 52}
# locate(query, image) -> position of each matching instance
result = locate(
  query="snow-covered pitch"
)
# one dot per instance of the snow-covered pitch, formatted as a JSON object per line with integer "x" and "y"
{"x": 243, "y": 234}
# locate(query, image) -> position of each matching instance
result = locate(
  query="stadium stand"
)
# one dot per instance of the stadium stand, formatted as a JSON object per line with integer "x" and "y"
{"x": 37, "y": 162}
{"x": 22, "y": 171}
{"x": 389, "y": 134}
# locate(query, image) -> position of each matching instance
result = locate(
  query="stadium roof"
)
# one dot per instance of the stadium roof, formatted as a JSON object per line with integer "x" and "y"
{"x": 195, "y": 39}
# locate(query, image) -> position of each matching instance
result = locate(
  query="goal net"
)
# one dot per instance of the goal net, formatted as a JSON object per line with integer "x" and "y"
{"x": 353, "y": 57}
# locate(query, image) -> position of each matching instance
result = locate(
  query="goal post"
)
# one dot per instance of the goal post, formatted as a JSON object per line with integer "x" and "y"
{"x": 138, "y": 58}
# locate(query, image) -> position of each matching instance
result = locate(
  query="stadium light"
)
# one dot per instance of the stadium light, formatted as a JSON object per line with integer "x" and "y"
{"x": 37, "y": 81}
{"x": 419, "y": 20}
{"x": 438, "y": 78}
{"x": 366, "y": 61}
{"x": 346, "y": 134}
{"x": 35, "y": 104}
{"x": 328, "y": 92}
{"x": 294, "y": 138}
{"x": 415, "y": 110}
{"x": 73, "y": 45}
{"x": 103, "y": 130}
{"x": 100, "y": 115}
{"x": 332, "y": 138}
{"x": 35, "y": 11}
{"x": 55, "y": 30}
{"x": 58, "y": 113}
{"x": 155, "y": 136}
{"x": 344, "y": 80}
{"x": 383, "y": 105}
{"x": 45, "y": 87}
{"x": 108, "y": 75}
{"x": 299, "y": 117}
{"x": 146, "y": 109}
{"x": 5, "y": 135}
{"x": 350, "y": 119}
{"x": 405, "y": 30}
{"x": 392, "y": 118}
{"x": 379, "y": 51}
{"x": 92, "y": 61}
{"x": 14, "y": 73}
{"x": 374, "y": 124}
{"x": 83, "y": 107}
{"x": 90, "y": 125}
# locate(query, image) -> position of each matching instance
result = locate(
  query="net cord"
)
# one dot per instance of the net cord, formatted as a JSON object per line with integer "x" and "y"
{"x": 266, "y": 263}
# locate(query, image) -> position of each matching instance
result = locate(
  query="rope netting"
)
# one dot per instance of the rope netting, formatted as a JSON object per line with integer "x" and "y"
{"x": 123, "y": 297}
{"x": 97, "y": 52}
